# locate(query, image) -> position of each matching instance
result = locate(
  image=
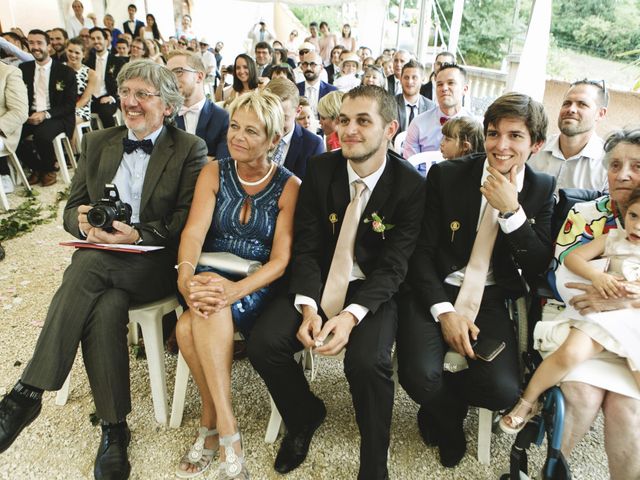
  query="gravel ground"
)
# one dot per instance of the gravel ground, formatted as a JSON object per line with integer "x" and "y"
{"x": 61, "y": 443}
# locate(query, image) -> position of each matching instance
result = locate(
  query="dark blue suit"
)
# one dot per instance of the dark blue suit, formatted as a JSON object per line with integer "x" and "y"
{"x": 323, "y": 89}
{"x": 302, "y": 147}
{"x": 136, "y": 28}
{"x": 212, "y": 128}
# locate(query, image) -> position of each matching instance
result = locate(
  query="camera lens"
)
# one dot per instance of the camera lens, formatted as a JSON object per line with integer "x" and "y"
{"x": 100, "y": 216}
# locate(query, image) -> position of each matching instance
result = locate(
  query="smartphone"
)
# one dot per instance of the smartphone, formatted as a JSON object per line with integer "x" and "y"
{"x": 487, "y": 348}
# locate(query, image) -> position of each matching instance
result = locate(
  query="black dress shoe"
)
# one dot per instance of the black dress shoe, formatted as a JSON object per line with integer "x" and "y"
{"x": 452, "y": 447}
{"x": 112, "y": 462}
{"x": 427, "y": 427}
{"x": 295, "y": 445}
{"x": 14, "y": 417}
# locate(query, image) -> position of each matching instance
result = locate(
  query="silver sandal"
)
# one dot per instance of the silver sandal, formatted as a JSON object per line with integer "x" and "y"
{"x": 197, "y": 456}
{"x": 234, "y": 466}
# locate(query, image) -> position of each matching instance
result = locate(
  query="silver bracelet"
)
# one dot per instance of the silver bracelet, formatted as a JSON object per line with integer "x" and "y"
{"x": 184, "y": 262}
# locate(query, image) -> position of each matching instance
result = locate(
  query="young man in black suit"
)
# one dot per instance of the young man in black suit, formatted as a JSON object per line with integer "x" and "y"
{"x": 107, "y": 66}
{"x": 51, "y": 89}
{"x": 132, "y": 26}
{"x": 519, "y": 204}
{"x": 345, "y": 270}
{"x": 297, "y": 144}
{"x": 199, "y": 115}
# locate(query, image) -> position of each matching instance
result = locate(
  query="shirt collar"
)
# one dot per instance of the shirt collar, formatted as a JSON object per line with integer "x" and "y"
{"x": 153, "y": 136}
{"x": 407, "y": 102}
{"x": 594, "y": 148}
{"x": 288, "y": 136}
{"x": 104, "y": 56}
{"x": 371, "y": 180}
{"x": 519, "y": 175}
{"x": 46, "y": 66}
{"x": 199, "y": 104}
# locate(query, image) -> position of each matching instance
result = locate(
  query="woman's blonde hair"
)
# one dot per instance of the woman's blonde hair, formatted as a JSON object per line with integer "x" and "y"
{"x": 465, "y": 129}
{"x": 329, "y": 105}
{"x": 267, "y": 108}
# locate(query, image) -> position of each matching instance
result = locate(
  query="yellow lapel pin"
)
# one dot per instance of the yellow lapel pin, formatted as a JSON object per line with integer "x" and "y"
{"x": 455, "y": 226}
{"x": 333, "y": 218}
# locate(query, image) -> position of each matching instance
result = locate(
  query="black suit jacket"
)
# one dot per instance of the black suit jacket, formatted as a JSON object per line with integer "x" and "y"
{"x": 114, "y": 64}
{"x": 303, "y": 146}
{"x": 391, "y": 85}
{"x": 426, "y": 90}
{"x": 398, "y": 197}
{"x": 174, "y": 165}
{"x": 136, "y": 29}
{"x": 212, "y": 127}
{"x": 331, "y": 73}
{"x": 62, "y": 92}
{"x": 453, "y": 195}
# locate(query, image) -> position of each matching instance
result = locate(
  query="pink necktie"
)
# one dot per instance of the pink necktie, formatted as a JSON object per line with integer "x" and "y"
{"x": 41, "y": 91}
{"x": 335, "y": 289}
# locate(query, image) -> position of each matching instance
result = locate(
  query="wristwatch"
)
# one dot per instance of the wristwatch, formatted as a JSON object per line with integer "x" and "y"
{"x": 508, "y": 214}
{"x": 47, "y": 115}
{"x": 139, "y": 240}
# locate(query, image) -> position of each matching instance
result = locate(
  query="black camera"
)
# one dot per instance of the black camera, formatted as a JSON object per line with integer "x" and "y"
{"x": 109, "y": 209}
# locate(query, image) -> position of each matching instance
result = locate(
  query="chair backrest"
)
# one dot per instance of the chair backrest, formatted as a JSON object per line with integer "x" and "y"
{"x": 426, "y": 158}
{"x": 399, "y": 141}
{"x": 567, "y": 198}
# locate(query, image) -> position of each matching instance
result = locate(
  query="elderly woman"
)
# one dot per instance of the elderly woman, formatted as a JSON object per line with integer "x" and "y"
{"x": 604, "y": 382}
{"x": 243, "y": 205}
{"x": 349, "y": 66}
{"x": 245, "y": 79}
{"x": 374, "y": 76}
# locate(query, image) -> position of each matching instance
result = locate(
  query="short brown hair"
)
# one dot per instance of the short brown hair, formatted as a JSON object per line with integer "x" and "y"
{"x": 519, "y": 105}
{"x": 193, "y": 60}
{"x": 284, "y": 89}
{"x": 387, "y": 105}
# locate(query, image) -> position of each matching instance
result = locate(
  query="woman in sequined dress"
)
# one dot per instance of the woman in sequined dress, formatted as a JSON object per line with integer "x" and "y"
{"x": 243, "y": 205}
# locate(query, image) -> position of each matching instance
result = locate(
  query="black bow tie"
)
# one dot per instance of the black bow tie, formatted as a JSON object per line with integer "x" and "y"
{"x": 132, "y": 145}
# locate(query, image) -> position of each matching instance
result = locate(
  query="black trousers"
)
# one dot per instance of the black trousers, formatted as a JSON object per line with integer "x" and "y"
{"x": 367, "y": 366}
{"x": 421, "y": 348}
{"x": 43, "y": 158}
{"x": 91, "y": 308}
{"x": 105, "y": 111}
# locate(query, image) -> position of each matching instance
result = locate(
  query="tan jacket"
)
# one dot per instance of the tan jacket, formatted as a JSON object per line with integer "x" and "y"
{"x": 14, "y": 107}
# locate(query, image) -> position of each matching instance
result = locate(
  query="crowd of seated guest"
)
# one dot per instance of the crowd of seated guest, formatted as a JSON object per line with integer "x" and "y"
{"x": 270, "y": 118}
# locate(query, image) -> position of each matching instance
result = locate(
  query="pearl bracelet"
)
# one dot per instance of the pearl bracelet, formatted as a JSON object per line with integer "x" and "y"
{"x": 184, "y": 262}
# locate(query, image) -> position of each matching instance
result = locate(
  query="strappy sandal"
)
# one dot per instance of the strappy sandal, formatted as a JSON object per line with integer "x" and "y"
{"x": 511, "y": 423}
{"x": 233, "y": 465}
{"x": 197, "y": 456}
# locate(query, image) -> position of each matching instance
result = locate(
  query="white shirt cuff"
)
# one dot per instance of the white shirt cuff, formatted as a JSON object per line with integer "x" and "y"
{"x": 301, "y": 300}
{"x": 357, "y": 311}
{"x": 514, "y": 222}
{"x": 440, "y": 308}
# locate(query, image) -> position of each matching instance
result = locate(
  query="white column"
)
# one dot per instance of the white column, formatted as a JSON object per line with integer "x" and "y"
{"x": 531, "y": 74}
{"x": 456, "y": 22}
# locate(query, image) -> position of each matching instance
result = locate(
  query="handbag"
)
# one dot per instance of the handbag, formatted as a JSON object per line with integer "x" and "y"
{"x": 226, "y": 262}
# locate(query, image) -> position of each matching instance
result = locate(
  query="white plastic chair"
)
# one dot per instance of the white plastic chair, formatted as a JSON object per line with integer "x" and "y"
{"x": 149, "y": 317}
{"x": 399, "y": 141}
{"x": 17, "y": 175}
{"x": 80, "y": 128}
{"x": 426, "y": 158}
{"x": 61, "y": 145}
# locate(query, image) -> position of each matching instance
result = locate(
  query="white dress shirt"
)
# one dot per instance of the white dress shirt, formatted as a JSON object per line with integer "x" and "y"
{"x": 130, "y": 175}
{"x": 370, "y": 182}
{"x": 41, "y": 100}
{"x": 584, "y": 170}
{"x": 507, "y": 225}
{"x": 192, "y": 115}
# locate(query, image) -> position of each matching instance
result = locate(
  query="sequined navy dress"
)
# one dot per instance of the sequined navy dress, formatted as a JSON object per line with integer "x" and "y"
{"x": 251, "y": 240}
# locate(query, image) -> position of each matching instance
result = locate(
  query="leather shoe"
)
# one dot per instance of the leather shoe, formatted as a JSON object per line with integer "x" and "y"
{"x": 452, "y": 447}
{"x": 14, "y": 417}
{"x": 295, "y": 445}
{"x": 427, "y": 427}
{"x": 49, "y": 179}
{"x": 34, "y": 178}
{"x": 112, "y": 462}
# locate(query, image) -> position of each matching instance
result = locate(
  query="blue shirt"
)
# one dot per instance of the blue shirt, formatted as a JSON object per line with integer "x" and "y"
{"x": 130, "y": 175}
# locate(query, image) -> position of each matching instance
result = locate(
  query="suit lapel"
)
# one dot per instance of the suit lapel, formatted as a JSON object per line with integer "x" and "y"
{"x": 339, "y": 190}
{"x": 378, "y": 197}
{"x": 474, "y": 198}
{"x": 163, "y": 150}
{"x": 180, "y": 122}
{"x": 203, "y": 119}
{"x": 294, "y": 147}
{"x": 110, "y": 158}
{"x": 402, "y": 111}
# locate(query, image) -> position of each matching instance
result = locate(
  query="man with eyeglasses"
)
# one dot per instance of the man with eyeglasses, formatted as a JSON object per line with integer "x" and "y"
{"x": 154, "y": 167}
{"x": 199, "y": 115}
{"x": 574, "y": 156}
{"x": 429, "y": 88}
{"x": 313, "y": 88}
{"x": 107, "y": 66}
